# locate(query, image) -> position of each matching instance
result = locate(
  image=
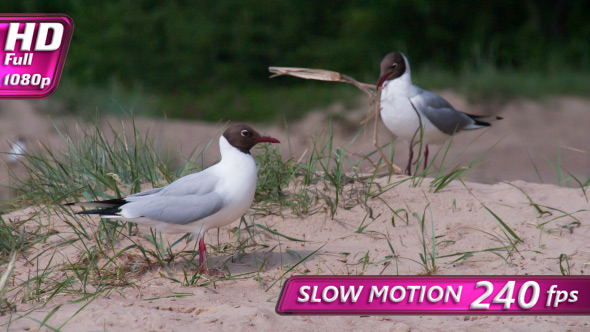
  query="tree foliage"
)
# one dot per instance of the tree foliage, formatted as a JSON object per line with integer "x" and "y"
{"x": 198, "y": 45}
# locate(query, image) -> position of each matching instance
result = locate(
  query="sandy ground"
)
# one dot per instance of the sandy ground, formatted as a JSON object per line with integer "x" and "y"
{"x": 461, "y": 223}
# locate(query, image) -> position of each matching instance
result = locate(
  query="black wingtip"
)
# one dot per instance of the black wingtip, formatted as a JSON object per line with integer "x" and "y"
{"x": 481, "y": 123}
{"x": 114, "y": 201}
{"x": 105, "y": 207}
{"x": 103, "y": 203}
{"x": 105, "y": 211}
{"x": 89, "y": 212}
{"x": 479, "y": 119}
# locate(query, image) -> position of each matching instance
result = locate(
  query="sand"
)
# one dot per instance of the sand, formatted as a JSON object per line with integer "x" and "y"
{"x": 457, "y": 213}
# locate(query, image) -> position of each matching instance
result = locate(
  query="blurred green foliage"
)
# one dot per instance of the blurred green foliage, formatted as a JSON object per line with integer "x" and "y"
{"x": 217, "y": 48}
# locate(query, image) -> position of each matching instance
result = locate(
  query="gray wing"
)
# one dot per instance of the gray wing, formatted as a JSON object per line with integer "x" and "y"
{"x": 175, "y": 209}
{"x": 198, "y": 183}
{"x": 440, "y": 113}
{"x": 144, "y": 193}
{"x": 185, "y": 200}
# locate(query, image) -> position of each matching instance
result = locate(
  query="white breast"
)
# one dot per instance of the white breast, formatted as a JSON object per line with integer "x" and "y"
{"x": 239, "y": 172}
{"x": 400, "y": 117}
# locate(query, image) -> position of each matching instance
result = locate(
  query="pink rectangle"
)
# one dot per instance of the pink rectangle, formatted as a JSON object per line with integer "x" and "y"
{"x": 32, "y": 72}
{"x": 435, "y": 295}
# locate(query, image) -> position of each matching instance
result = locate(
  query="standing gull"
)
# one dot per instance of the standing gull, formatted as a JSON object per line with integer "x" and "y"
{"x": 412, "y": 113}
{"x": 195, "y": 203}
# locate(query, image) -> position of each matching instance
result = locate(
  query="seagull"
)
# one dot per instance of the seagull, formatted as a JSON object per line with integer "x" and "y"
{"x": 17, "y": 149}
{"x": 195, "y": 203}
{"x": 406, "y": 108}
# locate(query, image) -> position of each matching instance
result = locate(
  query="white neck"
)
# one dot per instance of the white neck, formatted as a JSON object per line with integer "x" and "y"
{"x": 399, "y": 86}
{"x": 236, "y": 165}
{"x": 407, "y": 76}
{"x": 224, "y": 146}
{"x": 230, "y": 152}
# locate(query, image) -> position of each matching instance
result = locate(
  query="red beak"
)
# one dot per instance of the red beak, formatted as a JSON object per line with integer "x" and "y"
{"x": 267, "y": 139}
{"x": 382, "y": 80}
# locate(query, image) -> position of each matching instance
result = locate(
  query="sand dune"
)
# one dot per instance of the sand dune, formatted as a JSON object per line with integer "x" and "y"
{"x": 461, "y": 224}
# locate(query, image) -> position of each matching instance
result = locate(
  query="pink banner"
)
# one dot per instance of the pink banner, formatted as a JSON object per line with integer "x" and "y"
{"x": 435, "y": 295}
{"x": 32, "y": 53}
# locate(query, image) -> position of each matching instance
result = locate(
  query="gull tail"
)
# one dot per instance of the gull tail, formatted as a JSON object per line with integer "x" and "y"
{"x": 480, "y": 121}
{"x": 109, "y": 207}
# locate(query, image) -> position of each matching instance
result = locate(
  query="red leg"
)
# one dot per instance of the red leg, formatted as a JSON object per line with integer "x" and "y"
{"x": 426, "y": 157}
{"x": 409, "y": 168}
{"x": 203, "y": 268}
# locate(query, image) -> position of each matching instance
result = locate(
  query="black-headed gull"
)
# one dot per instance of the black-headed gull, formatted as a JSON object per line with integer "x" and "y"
{"x": 195, "y": 203}
{"x": 404, "y": 107}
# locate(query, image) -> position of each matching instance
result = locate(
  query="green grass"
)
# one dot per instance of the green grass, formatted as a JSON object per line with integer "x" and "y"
{"x": 18, "y": 235}
{"x": 5, "y": 305}
{"x": 98, "y": 163}
{"x": 427, "y": 257}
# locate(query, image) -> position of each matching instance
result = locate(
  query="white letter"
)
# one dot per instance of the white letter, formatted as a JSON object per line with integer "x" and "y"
{"x": 392, "y": 294}
{"x": 550, "y": 292}
{"x": 305, "y": 297}
{"x": 344, "y": 295}
{"x": 561, "y": 297}
{"x": 574, "y": 295}
{"x": 438, "y": 298}
{"x": 422, "y": 294}
{"x": 314, "y": 295}
{"x": 375, "y": 292}
{"x": 7, "y": 58}
{"x": 26, "y": 37}
{"x": 456, "y": 296}
{"x": 58, "y": 31}
{"x": 412, "y": 291}
{"x": 45, "y": 82}
{"x": 325, "y": 292}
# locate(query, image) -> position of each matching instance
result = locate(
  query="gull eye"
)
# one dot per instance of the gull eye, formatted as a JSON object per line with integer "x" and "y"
{"x": 245, "y": 133}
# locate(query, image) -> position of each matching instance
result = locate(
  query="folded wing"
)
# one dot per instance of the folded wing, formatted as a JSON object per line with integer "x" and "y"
{"x": 174, "y": 209}
{"x": 185, "y": 200}
{"x": 443, "y": 115}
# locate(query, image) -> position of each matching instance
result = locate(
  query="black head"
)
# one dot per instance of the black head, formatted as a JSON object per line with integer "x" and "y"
{"x": 244, "y": 137}
{"x": 393, "y": 66}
